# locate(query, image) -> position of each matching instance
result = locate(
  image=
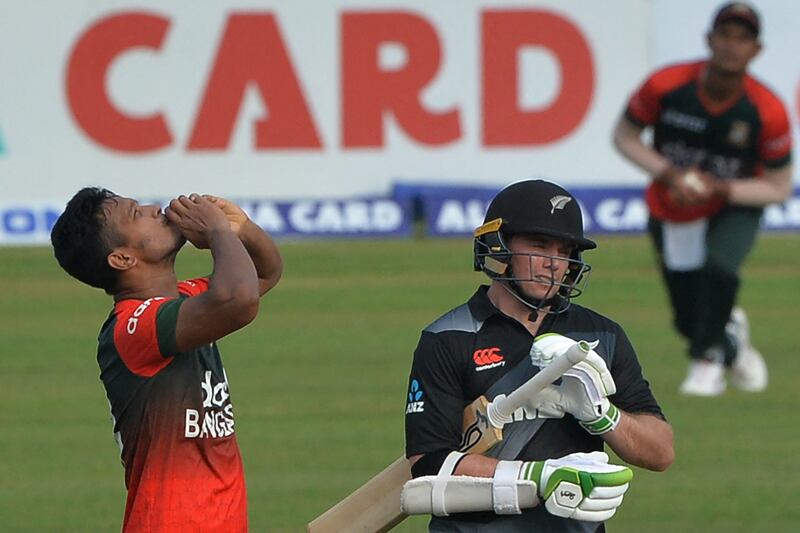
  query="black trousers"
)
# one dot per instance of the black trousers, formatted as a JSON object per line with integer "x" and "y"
{"x": 702, "y": 299}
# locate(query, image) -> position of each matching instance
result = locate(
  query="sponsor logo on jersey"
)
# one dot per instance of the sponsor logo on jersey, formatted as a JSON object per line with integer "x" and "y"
{"x": 134, "y": 320}
{"x": 415, "y": 403}
{"x": 739, "y": 133}
{"x": 216, "y": 419}
{"x": 683, "y": 121}
{"x": 486, "y": 358}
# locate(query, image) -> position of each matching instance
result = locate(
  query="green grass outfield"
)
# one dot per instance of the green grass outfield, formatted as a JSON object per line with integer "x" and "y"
{"x": 319, "y": 386}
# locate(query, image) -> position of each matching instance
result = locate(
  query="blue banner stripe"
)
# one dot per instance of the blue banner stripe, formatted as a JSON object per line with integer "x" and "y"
{"x": 443, "y": 211}
{"x": 451, "y": 210}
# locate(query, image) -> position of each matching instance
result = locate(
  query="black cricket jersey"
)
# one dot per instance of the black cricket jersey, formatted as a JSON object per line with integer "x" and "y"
{"x": 173, "y": 420}
{"x": 476, "y": 350}
{"x": 732, "y": 139}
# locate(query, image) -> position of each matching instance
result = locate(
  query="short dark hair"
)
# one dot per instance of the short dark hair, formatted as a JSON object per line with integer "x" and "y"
{"x": 82, "y": 239}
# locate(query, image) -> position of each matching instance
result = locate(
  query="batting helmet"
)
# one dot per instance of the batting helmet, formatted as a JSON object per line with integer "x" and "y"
{"x": 532, "y": 207}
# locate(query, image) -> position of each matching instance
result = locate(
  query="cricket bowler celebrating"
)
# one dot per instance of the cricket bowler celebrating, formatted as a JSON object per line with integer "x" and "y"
{"x": 159, "y": 362}
{"x": 548, "y": 473}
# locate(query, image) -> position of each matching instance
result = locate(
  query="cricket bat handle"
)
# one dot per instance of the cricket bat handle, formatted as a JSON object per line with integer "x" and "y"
{"x": 499, "y": 412}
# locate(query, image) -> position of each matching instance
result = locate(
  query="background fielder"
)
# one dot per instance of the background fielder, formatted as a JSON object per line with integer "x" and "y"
{"x": 721, "y": 152}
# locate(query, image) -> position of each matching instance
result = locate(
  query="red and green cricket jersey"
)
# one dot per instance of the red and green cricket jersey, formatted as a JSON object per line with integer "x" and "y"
{"x": 730, "y": 140}
{"x": 173, "y": 420}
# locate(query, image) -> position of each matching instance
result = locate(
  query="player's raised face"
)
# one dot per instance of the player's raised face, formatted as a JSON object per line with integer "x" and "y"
{"x": 733, "y": 45}
{"x": 143, "y": 228}
{"x": 542, "y": 260}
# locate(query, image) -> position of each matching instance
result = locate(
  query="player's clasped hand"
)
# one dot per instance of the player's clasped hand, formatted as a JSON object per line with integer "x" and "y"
{"x": 689, "y": 186}
{"x": 581, "y": 486}
{"x": 235, "y": 214}
{"x": 197, "y": 217}
{"x": 584, "y": 389}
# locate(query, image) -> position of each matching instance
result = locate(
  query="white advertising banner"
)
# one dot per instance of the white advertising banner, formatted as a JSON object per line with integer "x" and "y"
{"x": 320, "y": 99}
{"x": 335, "y": 102}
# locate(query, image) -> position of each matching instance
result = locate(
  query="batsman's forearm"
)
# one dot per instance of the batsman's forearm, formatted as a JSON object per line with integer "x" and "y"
{"x": 471, "y": 464}
{"x": 476, "y": 466}
{"x": 643, "y": 440}
{"x": 264, "y": 254}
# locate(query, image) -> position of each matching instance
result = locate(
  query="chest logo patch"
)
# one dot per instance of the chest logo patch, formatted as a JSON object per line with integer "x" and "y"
{"x": 486, "y": 358}
{"x": 739, "y": 133}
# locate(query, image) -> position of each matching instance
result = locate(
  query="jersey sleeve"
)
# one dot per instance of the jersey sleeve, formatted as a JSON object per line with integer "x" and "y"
{"x": 193, "y": 287}
{"x": 644, "y": 106}
{"x": 633, "y": 391}
{"x": 775, "y": 141}
{"x": 434, "y": 399}
{"x": 145, "y": 334}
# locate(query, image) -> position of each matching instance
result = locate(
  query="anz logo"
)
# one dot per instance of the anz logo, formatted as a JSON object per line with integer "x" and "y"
{"x": 415, "y": 403}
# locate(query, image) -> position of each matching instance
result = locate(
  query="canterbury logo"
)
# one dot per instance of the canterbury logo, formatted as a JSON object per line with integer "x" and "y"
{"x": 487, "y": 358}
{"x": 559, "y": 202}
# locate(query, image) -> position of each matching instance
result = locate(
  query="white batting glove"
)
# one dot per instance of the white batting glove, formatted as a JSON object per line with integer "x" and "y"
{"x": 584, "y": 388}
{"x": 581, "y": 486}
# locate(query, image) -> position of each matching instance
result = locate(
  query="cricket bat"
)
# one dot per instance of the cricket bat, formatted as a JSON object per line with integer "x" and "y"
{"x": 375, "y": 506}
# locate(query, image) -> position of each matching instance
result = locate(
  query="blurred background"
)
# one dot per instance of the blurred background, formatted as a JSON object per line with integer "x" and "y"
{"x": 368, "y": 138}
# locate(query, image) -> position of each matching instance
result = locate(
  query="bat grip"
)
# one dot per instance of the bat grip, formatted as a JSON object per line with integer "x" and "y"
{"x": 496, "y": 418}
{"x": 501, "y": 412}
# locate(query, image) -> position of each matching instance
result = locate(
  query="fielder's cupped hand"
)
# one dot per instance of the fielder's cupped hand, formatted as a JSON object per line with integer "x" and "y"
{"x": 197, "y": 218}
{"x": 690, "y": 186}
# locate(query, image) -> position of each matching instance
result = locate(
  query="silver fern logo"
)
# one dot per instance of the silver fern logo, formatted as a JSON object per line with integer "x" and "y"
{"x": 558, "y": 202}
